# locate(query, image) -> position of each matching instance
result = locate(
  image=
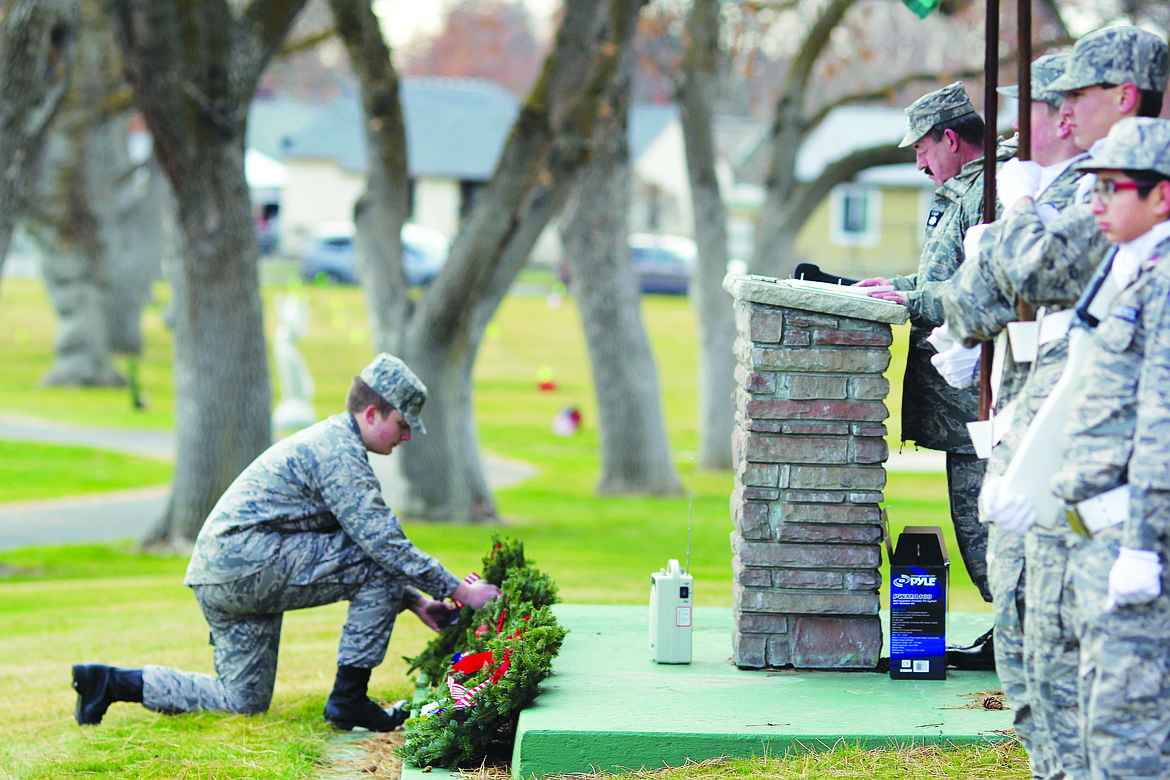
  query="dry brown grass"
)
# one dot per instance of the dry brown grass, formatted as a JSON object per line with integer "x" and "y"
{"x": 998, "y": 761}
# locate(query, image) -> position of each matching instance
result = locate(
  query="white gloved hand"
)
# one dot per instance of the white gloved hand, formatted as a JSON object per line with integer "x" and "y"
{"x": 1136, "y": 578}
{"x": 971, "y": 239}
{"x": 1016, "y": 179}
{"x": 1011, "y": 510}
{"x": 958, "y": 365}
{"x": 941, "y": 339}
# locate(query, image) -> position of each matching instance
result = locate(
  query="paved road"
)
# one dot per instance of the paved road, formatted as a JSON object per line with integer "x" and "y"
{"x": 130, "y": 514}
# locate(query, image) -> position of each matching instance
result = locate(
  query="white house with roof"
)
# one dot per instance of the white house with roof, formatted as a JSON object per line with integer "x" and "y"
{"x": 455, "y": 130}
{"x": 875, "y": 221}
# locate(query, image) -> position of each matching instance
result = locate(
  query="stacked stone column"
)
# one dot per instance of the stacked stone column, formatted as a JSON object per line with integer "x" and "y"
{"x": 808, "y": 448}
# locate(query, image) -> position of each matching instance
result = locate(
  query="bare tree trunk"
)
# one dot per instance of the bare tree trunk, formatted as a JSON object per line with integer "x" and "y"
{"x": 635, "y": 452}
{"x": 73, "y": 265}
{"x": 35, "y": 67}
{"x": 696, "y": 99}
{"x": 548, "y": 146}
{"x": 87, "y": 157}
{"x": 383, "y": 208}
{"x": 137, "y": 223}
{"x": 194, "y": 65}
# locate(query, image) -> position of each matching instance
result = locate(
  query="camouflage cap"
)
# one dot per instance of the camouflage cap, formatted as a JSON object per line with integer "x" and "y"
{"x": 1134, "y": 143}
{"x": 1116, "y": 55}
{"x": 390, "y": 378}
{"x": 1045, "y": 70}
{"x": 927, "y": 111}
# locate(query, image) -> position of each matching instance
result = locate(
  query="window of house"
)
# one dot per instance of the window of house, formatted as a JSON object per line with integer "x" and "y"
{"x": 855, "y": 215}
{"x": 468, "y": 191}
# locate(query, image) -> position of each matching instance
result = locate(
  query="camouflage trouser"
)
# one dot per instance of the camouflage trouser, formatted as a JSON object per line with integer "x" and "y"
{"x": 1125, "y": 668}
{"x": 1052, "y": 651}
{"x": 245, "y": 618}
{"x": 964, "y": 479}
{"x": 1005, "y": 576}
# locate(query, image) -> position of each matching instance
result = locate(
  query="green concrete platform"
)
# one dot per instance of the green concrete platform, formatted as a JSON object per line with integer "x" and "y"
{"x": 608, "y": 706}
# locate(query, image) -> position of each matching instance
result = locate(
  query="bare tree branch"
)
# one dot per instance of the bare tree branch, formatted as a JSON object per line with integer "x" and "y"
{"x": 883, "y": 92}
{"x": 841, "y": 171}
{"x": 35, "y": 41}
{"x": 814, "y": 43}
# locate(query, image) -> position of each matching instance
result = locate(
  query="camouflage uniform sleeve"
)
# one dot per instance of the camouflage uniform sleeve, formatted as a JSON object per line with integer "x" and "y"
{"x": 1145, "y": 529}
{"x": 904, "y": 283}
{"x": 1098, "y": 437}
{"x": 351, "y": 490}
{"x": 410, "y": 597}
{"x": 943, "y": 256}
{"x": 975, "y": 303}
{"x": 1050, "y": 265}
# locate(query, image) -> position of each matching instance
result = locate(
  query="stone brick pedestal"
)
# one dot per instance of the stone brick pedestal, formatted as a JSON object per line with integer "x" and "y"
{"x": 808, "y": 450}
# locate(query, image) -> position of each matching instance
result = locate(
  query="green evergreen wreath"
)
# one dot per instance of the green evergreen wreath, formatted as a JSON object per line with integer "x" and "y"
{"x": 486, "y": 668}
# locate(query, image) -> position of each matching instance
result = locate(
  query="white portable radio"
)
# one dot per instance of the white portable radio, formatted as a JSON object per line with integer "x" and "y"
{"x": 671, "y": 592}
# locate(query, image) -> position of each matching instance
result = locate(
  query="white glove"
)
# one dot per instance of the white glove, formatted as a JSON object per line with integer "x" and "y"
{"x": 941, "y": 339}
{"x": 1016, "y": 179}
{"x": 1011, "y": 510}
{"x": 971, "y": 240}
{"x": 958, "y": 365}
{"x": 1136, "y": 578}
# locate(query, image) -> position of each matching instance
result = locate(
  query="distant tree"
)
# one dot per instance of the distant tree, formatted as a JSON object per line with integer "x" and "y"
{"x": 635, "y": 451}
{"x": 65, "y": 221}
{"x": 492, "y": 40}
{"x": 194, "y": 66}
{"x": 35, "y": 67}
{"x": 746, "y": 80}
{"x": 439, "y": 335}
{"x": 99, "y": 218}
{"x": 698, "y": 86}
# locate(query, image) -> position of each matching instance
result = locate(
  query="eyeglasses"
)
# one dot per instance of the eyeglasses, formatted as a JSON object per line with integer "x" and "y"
{"x": 1105, "y": 189}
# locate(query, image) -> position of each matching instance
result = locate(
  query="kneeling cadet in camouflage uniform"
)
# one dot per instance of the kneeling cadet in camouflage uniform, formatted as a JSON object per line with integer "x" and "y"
{"x": 303, "y": 525}
{"x": 1114, "y": 473}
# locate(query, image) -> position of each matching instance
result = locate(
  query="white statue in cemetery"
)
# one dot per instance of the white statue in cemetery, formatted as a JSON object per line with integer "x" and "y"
{"x": 295, "y": 409}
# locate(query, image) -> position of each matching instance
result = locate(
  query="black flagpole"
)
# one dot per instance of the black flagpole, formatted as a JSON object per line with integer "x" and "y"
{"x": 990, "y": 104}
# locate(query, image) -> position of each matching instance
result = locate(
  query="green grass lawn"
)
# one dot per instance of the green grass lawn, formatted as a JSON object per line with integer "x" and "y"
{"x": 110, "y": 603}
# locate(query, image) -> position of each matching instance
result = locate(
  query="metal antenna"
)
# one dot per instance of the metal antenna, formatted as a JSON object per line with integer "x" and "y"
{"x": 690, "y": 514}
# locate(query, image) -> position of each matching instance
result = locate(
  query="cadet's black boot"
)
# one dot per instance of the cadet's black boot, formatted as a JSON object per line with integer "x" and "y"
{"x": 348, "y": 706}
{"x": 99, "y": 686}
{"x": 978, "y": 656}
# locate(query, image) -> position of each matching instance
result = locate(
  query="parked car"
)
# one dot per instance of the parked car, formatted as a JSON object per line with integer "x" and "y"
{"x": 664, "y": 263}
{"x": 330, "y": 256}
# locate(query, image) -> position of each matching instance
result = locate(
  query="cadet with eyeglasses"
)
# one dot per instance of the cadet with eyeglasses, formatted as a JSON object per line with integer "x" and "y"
{"x": 1112, "y": 74}
{"x": 304, "y": 525}
{"x": 1114, "y": 475}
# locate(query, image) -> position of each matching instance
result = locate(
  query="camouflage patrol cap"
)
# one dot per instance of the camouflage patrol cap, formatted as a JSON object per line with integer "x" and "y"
{"x": 1116, "y": 55}
{"x": 950, "y": 102}
{"x": 1045, "y": 70}
{"x": 1134, "y": 143}
{"x": 390, "y": 378}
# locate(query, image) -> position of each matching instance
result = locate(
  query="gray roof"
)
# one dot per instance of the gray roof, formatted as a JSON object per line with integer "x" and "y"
{"x": 273, "y": 123}
{"x": 646, "y": 122}
{"x": 838, "y": 135}
{"x": 455, "y": 128}
{"x": 735, "y": 136}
